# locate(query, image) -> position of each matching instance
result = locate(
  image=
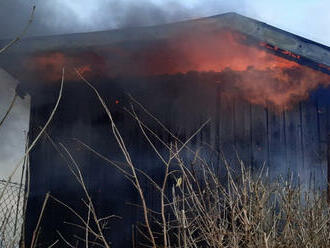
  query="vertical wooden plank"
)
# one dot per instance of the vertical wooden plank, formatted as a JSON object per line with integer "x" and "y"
{"x": 293, "y": 139}
{"x": 277, "y": 158}
{"x": 212, "y": 127}
{"x": 215, "y": 129}
{"x": 242, "y": 130}
{"x": 328, "y": 148}
{"x": 328, "y": 168}
{"x": 251, "y": 135}
{"x": 267, "y": 136}
{"x": 285, "y": 144}
{"x": 301, "y": 131}
{"x": 259, "y": 135}
{"x": 217, "y": 118}
{"x": 322, "y": 122}
{"x": 227, "y": 130}
{"x": 310, "y": 136}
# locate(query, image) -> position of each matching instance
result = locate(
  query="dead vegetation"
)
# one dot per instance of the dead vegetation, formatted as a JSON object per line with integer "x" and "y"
{"x": 198, "y": 208}
{"x": 242, "y": 209}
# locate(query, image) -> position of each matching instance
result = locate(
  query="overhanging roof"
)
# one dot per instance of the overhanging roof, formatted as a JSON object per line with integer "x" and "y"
{"x": 314, "y": 52}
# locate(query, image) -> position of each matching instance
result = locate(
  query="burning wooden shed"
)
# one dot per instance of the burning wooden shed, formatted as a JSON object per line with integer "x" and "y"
{"x": 265, "y": 91}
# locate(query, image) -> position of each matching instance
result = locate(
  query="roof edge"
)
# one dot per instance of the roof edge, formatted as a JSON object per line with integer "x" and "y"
{"x": 258, "y": 30}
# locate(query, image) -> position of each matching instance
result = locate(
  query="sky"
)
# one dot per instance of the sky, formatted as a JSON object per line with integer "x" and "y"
{"x": 308, "y": 18}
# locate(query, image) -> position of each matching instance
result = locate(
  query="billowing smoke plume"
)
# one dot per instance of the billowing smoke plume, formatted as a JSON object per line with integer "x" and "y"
{"x": 307, "y": 19}
{"x": 61, "y": 16}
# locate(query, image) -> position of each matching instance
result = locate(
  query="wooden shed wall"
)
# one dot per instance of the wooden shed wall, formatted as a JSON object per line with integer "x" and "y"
{"x": 294, "y": 139}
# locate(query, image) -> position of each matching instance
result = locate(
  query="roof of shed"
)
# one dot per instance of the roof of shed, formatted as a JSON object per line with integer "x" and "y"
{"x": 317, "y": 54}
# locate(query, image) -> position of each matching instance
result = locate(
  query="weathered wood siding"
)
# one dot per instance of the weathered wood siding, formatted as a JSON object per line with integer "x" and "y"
{"x": 285, "y": 140}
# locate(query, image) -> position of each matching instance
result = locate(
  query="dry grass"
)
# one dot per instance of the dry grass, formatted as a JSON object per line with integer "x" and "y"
{"x": 244, "y": 210}
{"x": 198, "y": 208}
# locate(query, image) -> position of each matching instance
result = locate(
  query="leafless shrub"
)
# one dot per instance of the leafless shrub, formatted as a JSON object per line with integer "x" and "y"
{"x": 93, "y": 226}
{"x": 202, "y": 210}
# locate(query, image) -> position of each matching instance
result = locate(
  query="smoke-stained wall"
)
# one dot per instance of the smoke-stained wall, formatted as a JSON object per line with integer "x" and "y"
{"x": 286, "y": 140}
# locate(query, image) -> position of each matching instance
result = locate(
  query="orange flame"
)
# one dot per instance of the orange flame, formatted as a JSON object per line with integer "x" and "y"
{"x": 281, "y": 87}
{"x": 48, "y": 67}
{"x": 256, "y": 74}
{"x": 210, "y": 52}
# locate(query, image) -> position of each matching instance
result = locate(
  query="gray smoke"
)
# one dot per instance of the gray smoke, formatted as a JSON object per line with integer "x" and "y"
{"x": 307, "y": 18}
{"x": 62, "y": 16}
